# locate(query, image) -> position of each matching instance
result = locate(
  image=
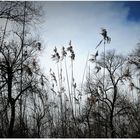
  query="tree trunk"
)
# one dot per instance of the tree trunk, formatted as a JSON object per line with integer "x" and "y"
{"x": 12, "y": 103}
{"x": 89, "y": 129}
{"x": 12, "y": 120}
{"x": 112, "y": 128}
{"x": 112, "y": 112}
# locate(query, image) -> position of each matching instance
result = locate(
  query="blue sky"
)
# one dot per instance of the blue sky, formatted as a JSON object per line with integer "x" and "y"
{"x": 134, "y": 10}
{"x": 81, "y": 22}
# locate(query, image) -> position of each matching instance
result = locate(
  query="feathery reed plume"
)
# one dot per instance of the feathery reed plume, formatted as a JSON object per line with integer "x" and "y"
{"x": 34, "y": 63}
{"x": 55, "y": 56}
{"x": 64, "y": 53}
{"x": 70, "y": 49}
{"x": 127, "y": 74}
{"x": 94, "y": 57}
{"x": 53, "y": 76}
{"x": 39, "y": 46}
{"x": 131, "y": 86}
{"x": 28, "y": 70}
{"x": 92, "y": 99}
{"x": 98, "y": 68}
{"x": 106, "y": 38}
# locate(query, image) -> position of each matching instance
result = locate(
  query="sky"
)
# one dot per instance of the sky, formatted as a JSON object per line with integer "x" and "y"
{"x": 81, "y": 22}
{"x": 134, "y": 10}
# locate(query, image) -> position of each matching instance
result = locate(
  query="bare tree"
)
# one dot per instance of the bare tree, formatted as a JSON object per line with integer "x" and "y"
{"x": 105, "y": 89}
{"x": 17, "y": 55}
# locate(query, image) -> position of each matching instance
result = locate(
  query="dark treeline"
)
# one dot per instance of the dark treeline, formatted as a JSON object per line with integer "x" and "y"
{"x": 104, "y": 105}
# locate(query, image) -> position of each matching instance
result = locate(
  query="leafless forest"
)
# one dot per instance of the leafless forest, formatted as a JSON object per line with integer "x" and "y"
{"x": 104, "y": 105}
